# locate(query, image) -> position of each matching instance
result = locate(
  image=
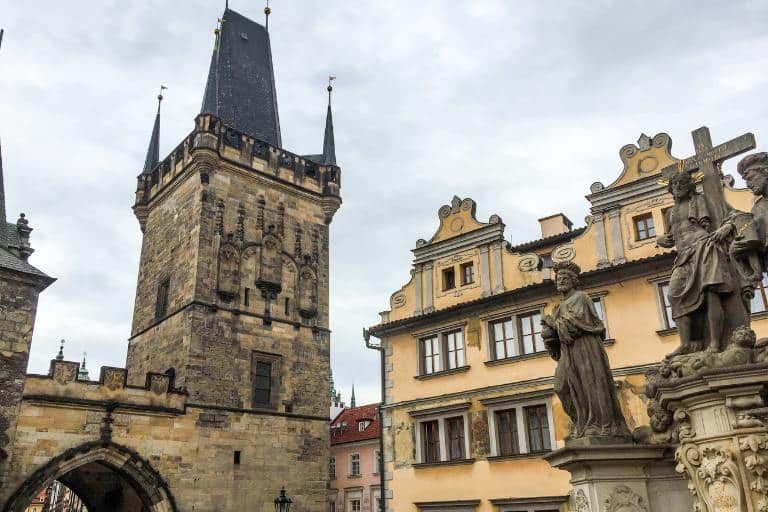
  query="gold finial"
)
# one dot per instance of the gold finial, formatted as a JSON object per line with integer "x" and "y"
{"x": 267, "y": 12}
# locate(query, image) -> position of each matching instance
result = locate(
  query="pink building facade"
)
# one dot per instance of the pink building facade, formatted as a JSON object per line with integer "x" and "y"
{"x": 354, "y": 463}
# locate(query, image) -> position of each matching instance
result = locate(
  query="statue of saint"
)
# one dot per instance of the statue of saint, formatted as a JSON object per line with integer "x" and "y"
{"x": 751, "y": 241}
{"x": 573, "y": 335}
{"x": 705, "y": 289}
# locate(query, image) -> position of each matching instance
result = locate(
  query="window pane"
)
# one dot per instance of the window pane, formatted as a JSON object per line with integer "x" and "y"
{"x": 669, "y": 321}
{"x": 599, "y": 308}
{"x": 530, "y": 326}
{"x": 538, "y": 428}
{"x": 759, "y": 302}
{"x": 506, "y": 424}
{"x": 262, "y": 383}
{"x": 455, "y": 438}
{"x": 431, "y": 441}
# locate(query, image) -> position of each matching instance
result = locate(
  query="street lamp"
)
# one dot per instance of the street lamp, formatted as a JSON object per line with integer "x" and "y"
{"x": 282, "y": 502}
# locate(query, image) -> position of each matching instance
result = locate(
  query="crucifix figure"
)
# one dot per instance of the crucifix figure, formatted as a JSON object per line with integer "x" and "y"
{"x": 706, "y": 290}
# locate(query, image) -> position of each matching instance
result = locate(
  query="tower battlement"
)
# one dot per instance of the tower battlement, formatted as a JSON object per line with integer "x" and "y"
{"x": 237, "y": 148}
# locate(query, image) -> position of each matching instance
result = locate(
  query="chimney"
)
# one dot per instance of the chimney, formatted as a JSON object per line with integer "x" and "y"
{"x": 554, "y": 225}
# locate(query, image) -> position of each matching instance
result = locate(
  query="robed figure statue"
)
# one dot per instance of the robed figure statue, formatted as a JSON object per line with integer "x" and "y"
{"x": 573, "y": 335}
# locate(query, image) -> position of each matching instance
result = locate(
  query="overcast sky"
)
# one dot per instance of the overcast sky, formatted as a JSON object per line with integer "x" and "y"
{"x": 519, "y": 105}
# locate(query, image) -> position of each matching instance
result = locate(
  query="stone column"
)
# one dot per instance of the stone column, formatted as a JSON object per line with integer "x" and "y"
{"x": 602, "y": 250}
{"x": 429, "y": 297}
{"x": 417, "y": 309}
{"x": 498, "y": 270}
{"x": 617, "y": 242}
{"x": 485, "y": 271}
{"x": 628, "y": 477}
{"x": 721, "y": 419}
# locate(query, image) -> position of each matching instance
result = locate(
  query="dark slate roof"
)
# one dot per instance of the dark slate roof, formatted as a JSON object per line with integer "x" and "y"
{"x": 550, "y": 240}
{"x": 329, "y": 146}
{"x": 11, "y": 262}
{"x": 153, "y": 151}
{"x": 241, "y": 81}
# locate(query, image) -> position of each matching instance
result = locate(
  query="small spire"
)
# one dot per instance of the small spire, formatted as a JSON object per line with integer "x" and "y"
{"x": 329, "y": 146}
{"x": 267, "y": 12}
{"x": 2, "y": 188}
{"x": 352, "y": 399}
{"x": 60, "y": 355}
{"x": 82, "y": 374}
{"x": 153, "y": 151}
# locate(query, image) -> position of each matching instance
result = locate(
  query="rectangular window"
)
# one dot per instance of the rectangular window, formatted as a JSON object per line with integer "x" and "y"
{"x": 467, "y": 273}
{"x": 354, "y": 464}
{"x": 537, "y": 425}
{"x": 455, "y": 432}
{"x": 600, "y": 310}
{"x": 644, "y": 227}
{"x": 354, "y": 505}
{"x": 163, "y": 291}
{"x": 760, "y": 300}
{"x": 331, "y": 507}
{"x": 287, "y": 306}
{"x": 666, "y": 307}
{"x": 262, "y": 383}
{"x": 430, "y": 438}
{"x": 665, "y": 216}
{"x": 455, "y": 349}
{"x": 504, "y": 342}
{"x": 506, "y": 431}
{"x": 236, "y": 458}
{"x": 530, "y": 330}
{"x": 247, "y": 297}
{"x": 431, "y": 360}
{"x": 332, "y": 468}
{"x": 449, "y": 279}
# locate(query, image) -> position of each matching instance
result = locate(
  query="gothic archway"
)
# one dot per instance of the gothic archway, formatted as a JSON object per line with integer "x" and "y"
{"x": 106, "y": 476}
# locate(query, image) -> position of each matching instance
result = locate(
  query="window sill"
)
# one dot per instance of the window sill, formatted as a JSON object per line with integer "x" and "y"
{"x": 517, "y": 456}
{"x": 441, "y": 373}
{"x": 667, "y": 332}
{"x": 354, "y": 476}
{"x": 759, "y": 315}
{"x": 458, "y": 462}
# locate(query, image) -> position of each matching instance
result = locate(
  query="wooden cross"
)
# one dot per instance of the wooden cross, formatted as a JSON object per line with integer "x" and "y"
{"x": 708, "y": 160}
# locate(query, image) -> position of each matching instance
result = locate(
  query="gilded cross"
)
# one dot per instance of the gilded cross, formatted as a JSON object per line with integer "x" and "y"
{"x": 708, "y": 160}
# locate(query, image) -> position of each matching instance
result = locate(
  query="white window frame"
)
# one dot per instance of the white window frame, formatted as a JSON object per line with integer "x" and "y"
{"x": 442, "y": 431}
{"x": 600, "y": 296}
{"x": 443, "y": 344}
{"x": 657, "y": 282}
{"x": 375, "y": 495}
{"x": 514, "y": 316}
{"x": 352, "y": 465}
{"x": 376, "y": 456}
{"x": 522, "y": 429}
{"x": 332, "y": 463}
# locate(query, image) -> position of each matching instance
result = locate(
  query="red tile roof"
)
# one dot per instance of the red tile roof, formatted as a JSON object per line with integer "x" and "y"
{"x": 352, "y": 416}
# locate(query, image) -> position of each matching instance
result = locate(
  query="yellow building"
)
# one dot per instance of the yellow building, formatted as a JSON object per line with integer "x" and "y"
{"x": 468, "y": 401}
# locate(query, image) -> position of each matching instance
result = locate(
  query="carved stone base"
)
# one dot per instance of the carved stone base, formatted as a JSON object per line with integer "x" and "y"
{"x": 622, "y": 478}
{"x": 723, "y": 438}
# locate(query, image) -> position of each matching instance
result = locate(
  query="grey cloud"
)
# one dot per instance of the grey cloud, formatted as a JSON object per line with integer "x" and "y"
{"x": 518, "y": 105}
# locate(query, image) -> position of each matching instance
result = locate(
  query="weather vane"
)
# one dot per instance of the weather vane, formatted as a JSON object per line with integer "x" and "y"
{"x": 267, "y": 12}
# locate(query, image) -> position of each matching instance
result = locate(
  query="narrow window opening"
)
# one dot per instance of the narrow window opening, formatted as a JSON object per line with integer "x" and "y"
{"x": 449, "y": 279}
{"x": 467, "y": 273}
{"x": 161, "y": 306}
{"x": 287, "y": 305}
{"x": 237, "y": 458}
{"x": 262, "y": 383}
{"x": 247, "y": 297}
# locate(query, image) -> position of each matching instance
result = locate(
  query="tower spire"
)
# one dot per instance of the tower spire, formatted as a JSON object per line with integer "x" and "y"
{"x": 2, "y": 186}
{"x": 60, "y": 355}
{"x": 329, "y": 146}
{"x": 153, "y": 151}
{"x": 82, "y": 373}
{"x": 352, "y": 399}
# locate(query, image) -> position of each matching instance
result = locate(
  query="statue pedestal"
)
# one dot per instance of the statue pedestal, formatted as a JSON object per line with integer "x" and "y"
{"x": 622, "y": 478}
{"x": 720, "y": 417}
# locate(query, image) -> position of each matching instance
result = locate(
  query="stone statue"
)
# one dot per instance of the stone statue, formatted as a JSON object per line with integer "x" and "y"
{"x": 573, "y": 335}
{"x": 751, "y": 243}
{"x": 705, "y": 289}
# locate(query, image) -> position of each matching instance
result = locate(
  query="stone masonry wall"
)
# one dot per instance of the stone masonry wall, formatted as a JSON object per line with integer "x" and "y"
{"x": 193, "y": 452}
{"x": 18, "y": 306}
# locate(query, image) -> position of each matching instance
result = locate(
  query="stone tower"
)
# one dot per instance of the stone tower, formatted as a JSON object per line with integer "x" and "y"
{"x": 232, "y": 292}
